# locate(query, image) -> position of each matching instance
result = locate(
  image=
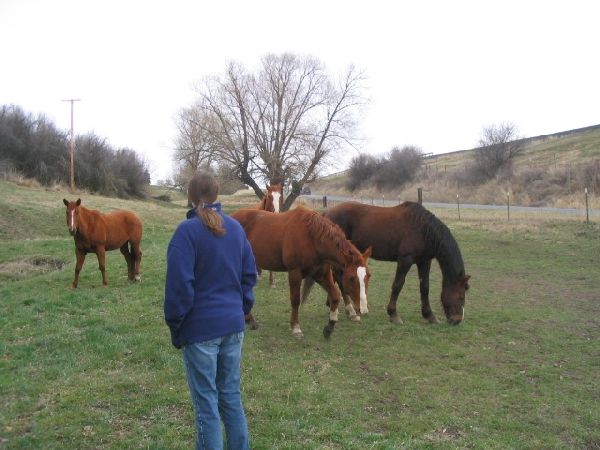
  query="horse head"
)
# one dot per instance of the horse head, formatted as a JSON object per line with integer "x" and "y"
{"x": 355, "y": 281}
{"x": 72, "y": 214}
{"x": 453, "y": 299}
{"x": 273, "y": 197}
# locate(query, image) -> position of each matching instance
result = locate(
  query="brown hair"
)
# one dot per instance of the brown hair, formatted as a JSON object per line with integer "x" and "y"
{"x": 203, "y": 188}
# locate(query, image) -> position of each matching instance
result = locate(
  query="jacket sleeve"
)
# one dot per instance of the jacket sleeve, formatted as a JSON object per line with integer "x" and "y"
{"x": 179, "y": 284}
{"x": 248, "y": 277}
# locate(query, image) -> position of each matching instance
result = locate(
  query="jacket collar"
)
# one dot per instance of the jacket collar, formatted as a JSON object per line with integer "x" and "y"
{"x": 214, "y": 206}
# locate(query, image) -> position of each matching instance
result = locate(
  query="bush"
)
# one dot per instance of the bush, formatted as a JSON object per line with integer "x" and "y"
{"x": 362, "y": 169}
{"x": 399, "y": 167}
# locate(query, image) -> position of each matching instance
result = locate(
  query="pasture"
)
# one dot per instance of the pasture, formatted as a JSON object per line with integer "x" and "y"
{"x": 94, "y": 368}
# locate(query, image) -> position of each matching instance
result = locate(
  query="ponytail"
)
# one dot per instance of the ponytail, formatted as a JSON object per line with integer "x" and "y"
{"x": 212, "y": 220}
{"x": 202, "y": 191}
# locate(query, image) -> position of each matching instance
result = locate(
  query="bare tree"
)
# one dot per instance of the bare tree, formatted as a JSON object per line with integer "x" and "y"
{"x": 498, "y": 146}
{"x": 282, "y": 123}
{"x": 193, "y": 146}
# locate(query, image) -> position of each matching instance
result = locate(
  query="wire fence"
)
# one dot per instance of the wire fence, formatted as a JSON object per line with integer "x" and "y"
{"x": 507, "y": 211}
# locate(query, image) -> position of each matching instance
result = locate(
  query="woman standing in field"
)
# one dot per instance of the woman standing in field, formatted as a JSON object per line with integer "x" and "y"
{"x": 210, "y": 275}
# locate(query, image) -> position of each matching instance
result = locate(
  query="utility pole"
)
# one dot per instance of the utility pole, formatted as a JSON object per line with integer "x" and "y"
{"x": 72, "y": 144}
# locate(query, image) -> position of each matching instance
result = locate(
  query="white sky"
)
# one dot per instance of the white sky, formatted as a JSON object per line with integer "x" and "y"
{"x": 438, "y": 71}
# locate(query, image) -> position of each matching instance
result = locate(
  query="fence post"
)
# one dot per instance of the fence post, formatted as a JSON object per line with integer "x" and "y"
{"x": 587, "y": 210}
{"x": 324, "y": 201}
{"x": 382, "y": 199}
{"x": 508, "y": 204}
{"x": 458, "y": 205}
{"x": 420, "y": 195}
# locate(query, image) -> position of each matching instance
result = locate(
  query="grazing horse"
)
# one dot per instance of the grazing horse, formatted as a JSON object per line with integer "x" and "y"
{"x": 95, "y": 232}
{"x": 270, "y": 202}
{"x": 408, "y": 234}
{"x": 301, "y": 242}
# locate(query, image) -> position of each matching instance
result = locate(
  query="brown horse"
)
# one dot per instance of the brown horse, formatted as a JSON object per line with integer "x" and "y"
{"x": 408, "y": 234}
{"x": 301, "y": 242}
{"x": 271, "y": 202}
{"x": 95, "y": 232}
{"x": 272, "y": 199}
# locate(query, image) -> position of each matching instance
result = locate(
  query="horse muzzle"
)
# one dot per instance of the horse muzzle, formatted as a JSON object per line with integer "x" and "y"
{"x": 455, "y": 319}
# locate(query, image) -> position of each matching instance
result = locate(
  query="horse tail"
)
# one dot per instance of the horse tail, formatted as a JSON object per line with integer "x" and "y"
{"x": 307, "y": 284}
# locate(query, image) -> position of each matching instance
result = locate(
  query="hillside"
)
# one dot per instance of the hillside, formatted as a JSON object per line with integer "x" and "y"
{"x": 552, "y": 170}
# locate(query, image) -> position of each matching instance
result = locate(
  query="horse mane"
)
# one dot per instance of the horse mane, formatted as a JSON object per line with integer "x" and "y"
{"x": 324, "y": 229}
{"x": 439, "y": 240}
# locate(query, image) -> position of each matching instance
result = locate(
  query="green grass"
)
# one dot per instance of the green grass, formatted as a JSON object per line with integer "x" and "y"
{"x": 94, "y": 368}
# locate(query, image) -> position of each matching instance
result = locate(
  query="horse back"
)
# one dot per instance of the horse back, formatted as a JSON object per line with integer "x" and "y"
{"x": 389, "y": 231}
{"x": 121, "y": 226}
{"x": 279, "y": 241}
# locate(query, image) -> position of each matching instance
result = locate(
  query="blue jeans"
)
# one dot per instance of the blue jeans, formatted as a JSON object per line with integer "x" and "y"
{"x": 213, "y": 374}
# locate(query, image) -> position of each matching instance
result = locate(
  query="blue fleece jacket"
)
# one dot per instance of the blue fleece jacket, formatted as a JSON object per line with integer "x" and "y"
{"x": 209, "y": 280}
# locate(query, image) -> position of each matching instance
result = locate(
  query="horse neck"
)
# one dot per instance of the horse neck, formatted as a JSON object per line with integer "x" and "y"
{"x": 445, "y": 250}
{"x": 83, "y": 221}
{"x": 332, "y": 244}
{"x": 263, "y": 204}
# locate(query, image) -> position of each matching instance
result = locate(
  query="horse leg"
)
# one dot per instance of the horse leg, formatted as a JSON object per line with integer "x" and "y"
{"x": 401, "y": 270}
{"x": 101, "y": 254}
{"x": 136, "y": 254}
{"x": 347, "y": 303}
{"x": 80, "y": 255}
{"x": 129, "y": 259}
{"x": 333, "y": 298}
{"x": 423, "y": 268}
{"x": 295, "y": 281}
{"x": 272, "y": 280}
{"x": 251, "y": 322}
{"x": 326, "y": 281}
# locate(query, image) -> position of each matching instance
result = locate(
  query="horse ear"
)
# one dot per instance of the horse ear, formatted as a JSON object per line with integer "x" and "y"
{"x": 367, "y": 253}
{"x": 78, "y": 201}
{"x": 66, "y": 202}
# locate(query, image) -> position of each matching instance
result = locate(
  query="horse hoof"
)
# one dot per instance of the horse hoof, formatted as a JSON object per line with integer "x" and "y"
{"x": 137, "y": 278}
{"x": 297, "y": 333}
{"x": 252, "y": 325}
{"x": 433, "y": 319}
{"x": 273, "y": 286}
{"x": 396, "y": 320}
{"x": 327, "y": 331}
{"x": 355, "y": 318}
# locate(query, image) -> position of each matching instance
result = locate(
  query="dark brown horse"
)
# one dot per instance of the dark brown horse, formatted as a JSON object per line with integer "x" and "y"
{"x": 408, "y": 234}
{"x": 95, "y": 232}
{"x": 301, "y": 242}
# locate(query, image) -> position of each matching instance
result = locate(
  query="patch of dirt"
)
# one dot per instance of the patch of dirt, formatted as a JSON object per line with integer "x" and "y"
{"x": 445, "y": 433}
{"x": 31, "y": 265}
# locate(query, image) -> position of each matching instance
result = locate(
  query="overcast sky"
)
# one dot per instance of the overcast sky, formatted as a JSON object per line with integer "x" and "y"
{"x": 437, "y": 71}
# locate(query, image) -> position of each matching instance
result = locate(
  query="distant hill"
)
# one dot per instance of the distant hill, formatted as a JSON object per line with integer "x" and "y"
{"x": 549, "y": 170}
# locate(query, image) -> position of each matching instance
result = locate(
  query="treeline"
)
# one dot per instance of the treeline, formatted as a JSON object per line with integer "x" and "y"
{"x": 34, "y": 147}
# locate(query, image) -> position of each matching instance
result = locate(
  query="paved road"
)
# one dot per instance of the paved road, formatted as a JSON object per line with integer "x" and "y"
{"x": 391, "y": 202}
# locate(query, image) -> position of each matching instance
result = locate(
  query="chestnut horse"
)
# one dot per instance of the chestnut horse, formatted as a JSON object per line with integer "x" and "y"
{"x": 271, "y": 202}
{"x": 408, "y": 234}
{"x": 95, "y": 232}
{"x": 301, "y": 242}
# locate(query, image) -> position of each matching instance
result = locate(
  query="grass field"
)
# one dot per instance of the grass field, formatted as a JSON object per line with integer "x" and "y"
{"x": 94, "y": 368}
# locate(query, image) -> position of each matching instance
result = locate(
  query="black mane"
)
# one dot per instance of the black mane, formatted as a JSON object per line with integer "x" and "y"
{"x": 439, "y": 241}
